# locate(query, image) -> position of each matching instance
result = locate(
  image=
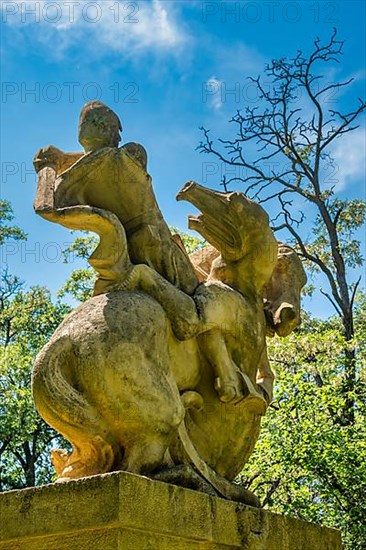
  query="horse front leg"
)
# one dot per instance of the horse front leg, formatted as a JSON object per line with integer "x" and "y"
{"x": 228, "y": 382}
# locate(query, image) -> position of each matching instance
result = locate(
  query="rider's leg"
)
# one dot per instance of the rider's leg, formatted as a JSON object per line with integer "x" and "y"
{"x": 179, "y": 307}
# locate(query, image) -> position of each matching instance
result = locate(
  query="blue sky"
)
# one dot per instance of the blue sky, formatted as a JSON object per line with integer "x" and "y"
{"x": 166, "y": 67}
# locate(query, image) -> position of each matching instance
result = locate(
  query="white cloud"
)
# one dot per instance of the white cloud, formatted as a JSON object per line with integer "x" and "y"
{"x": 212, "y": 92}
{"x": 105, "y": 25}
{"x": 349, "y": 154}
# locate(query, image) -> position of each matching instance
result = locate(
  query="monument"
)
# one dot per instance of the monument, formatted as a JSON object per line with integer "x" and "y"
{"x": 164, "y": 372}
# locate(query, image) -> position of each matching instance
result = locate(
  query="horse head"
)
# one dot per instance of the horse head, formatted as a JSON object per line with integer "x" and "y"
{"x": 242, "y": 241}
{"x": 239, "y": 229}
{"x": 283, "y": 291}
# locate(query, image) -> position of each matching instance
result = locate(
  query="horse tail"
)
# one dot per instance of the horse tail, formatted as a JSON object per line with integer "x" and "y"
{"x": 64, "y": 408}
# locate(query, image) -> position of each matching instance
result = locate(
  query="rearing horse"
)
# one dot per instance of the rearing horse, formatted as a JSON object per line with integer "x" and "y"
{"x": 127, "y": 394}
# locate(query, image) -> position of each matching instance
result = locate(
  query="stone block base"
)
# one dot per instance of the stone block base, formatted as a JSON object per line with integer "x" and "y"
{"x": 122, "y": 511}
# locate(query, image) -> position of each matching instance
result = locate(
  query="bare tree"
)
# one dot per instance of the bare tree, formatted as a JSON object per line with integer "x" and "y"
{"x": 292, "y": 131}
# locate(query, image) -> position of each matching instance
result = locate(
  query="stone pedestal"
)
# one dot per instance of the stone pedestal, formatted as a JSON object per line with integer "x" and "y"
{"x": 122, "y": 511}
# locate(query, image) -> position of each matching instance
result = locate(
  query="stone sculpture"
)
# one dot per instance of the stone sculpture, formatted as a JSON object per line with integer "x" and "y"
{"x": 163, "y": 372}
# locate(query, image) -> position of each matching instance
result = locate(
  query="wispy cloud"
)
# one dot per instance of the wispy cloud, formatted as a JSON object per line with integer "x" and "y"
{"x": 128, "y": 28}
{"x": 349, "y": 154}
{"x": 212, "y": 93}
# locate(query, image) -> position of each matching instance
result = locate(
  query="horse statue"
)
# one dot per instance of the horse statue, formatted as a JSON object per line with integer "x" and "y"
{"x": 164, "y": 371}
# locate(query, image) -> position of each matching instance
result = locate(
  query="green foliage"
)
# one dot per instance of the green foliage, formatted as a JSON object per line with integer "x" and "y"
{"x": 27, "y": 320}
{"x": 79, "y": 285}
{"x": 27, "y": 317}
{"x": 8, "y": 231}
{"x": 349, "y": 216}
{"x": 310, "y": 462}
{"x": 191, "y": 242}
{"x": 82, "y": 247}
{"x": 25, "y": 440}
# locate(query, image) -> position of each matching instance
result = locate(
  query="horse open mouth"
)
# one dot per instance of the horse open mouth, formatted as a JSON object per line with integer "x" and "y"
{"x": 215, "y": 233}
{"x": 214, "y": 223}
